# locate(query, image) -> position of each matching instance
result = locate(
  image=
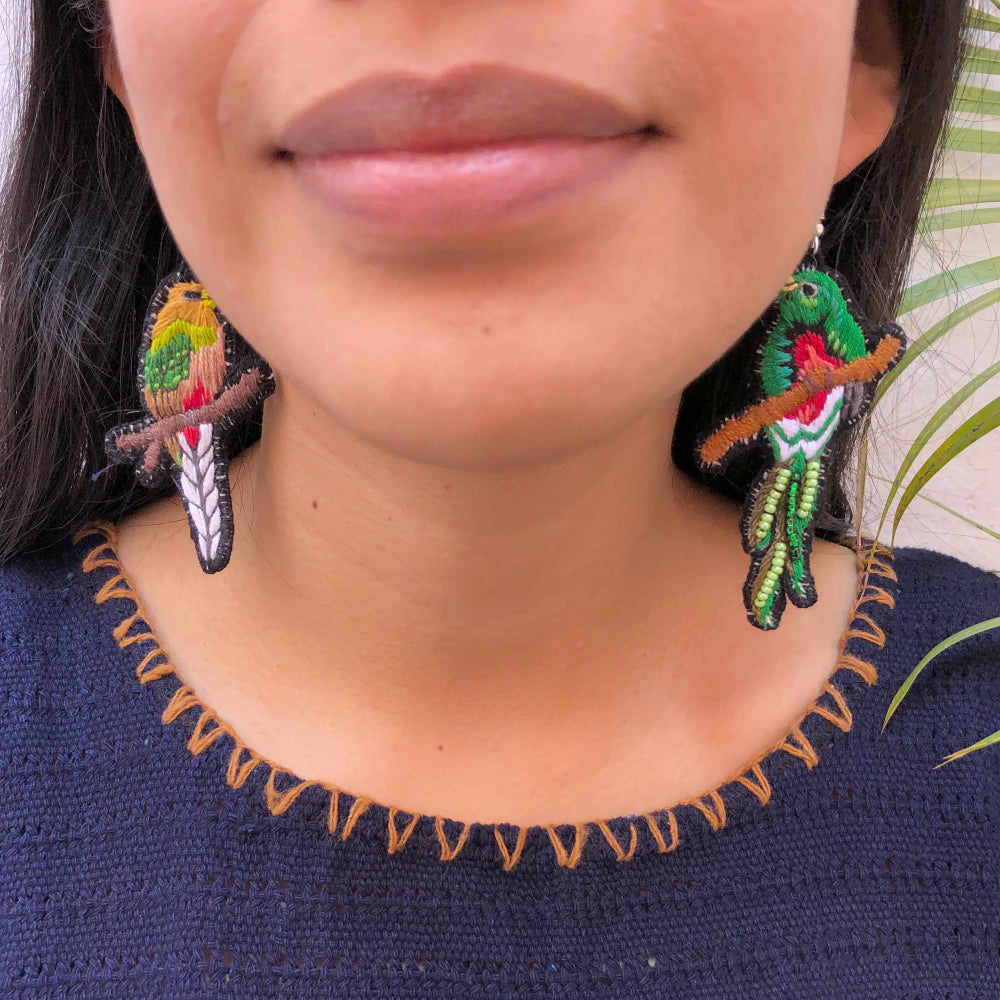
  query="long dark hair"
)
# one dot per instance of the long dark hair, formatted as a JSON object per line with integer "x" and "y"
{"x": 83, "y": 244}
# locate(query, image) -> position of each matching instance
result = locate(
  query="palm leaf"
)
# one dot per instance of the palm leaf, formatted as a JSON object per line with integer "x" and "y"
{"x": 950, "y": 510}
{"x": 979, "y": 424}
{"x": 961, "y": 219}
{"x": 981, "y": 21}
{"x": 956, "y": 279}
{"x": 928, "y": 430}
{"x": 977, "y": 101}
{"x": 972, "y": 140}
{"x": 957, "y": 637}
{"x": 945, "y": 192}
{"x": 972, "y": 202}
{"x": 982, "y": 744}
{"x": 981, "y": 59}
{"x": 934, "y": 334}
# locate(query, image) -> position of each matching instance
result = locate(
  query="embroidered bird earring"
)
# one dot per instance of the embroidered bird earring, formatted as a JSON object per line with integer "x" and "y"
{"x": 197, "y": 378}
{"x": 818, "y": 368}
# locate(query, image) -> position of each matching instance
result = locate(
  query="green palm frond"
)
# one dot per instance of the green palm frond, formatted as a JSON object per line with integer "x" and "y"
{"x": 982, "y": 21}
{"x": 953, "y": 203}
{"x": 949, "y": 510}
{"x": 927, "y": 431}
{"x": 962, "y": 219}
{"x": 952, "y": 640}
{"x": 982, "y": 59}
{"x": 957, "y": 279}
{"x": 935, "y": 333}
{"x": 947, "y": 191}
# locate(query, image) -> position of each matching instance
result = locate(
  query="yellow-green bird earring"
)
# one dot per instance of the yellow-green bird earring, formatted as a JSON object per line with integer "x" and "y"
{"x": 197, "y": 377}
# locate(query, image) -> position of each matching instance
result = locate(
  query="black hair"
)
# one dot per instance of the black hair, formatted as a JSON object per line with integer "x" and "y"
{"x": 83, "y": 245}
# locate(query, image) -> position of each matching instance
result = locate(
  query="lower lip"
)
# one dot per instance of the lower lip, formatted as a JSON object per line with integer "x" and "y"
{"x": 468, "y": 188}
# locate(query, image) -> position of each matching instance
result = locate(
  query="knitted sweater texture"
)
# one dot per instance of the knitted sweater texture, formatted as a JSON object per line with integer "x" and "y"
{"x": 147, "y": 852}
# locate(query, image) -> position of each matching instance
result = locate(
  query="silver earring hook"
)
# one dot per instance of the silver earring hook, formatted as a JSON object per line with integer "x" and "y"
{"x": 814, "y": 245}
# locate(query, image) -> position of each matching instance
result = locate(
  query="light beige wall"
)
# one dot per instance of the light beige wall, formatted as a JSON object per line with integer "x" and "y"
{"x": 13, "y": 21}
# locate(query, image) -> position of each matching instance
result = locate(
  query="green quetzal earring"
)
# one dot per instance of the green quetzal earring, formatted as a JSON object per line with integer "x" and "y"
{"x": 818, "y": 368}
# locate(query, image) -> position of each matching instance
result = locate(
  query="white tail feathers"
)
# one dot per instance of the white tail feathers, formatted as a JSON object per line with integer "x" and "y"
{"x": 201, "y": 492}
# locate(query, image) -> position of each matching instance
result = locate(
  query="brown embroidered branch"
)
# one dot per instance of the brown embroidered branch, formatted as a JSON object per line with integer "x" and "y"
{"x": 769, "y": 410}
{"x": 152, "y": 437}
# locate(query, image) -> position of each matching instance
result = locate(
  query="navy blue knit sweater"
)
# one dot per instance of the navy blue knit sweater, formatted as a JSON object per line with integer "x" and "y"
{"x": 146, "y": 852}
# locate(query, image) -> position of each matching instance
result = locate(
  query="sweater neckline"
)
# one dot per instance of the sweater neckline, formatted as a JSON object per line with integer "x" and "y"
{"x": 350, "y": 814}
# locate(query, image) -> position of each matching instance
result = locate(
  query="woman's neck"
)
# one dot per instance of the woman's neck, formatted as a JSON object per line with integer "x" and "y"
{"x": 422, "y": 610}
{"x": 418, "y": 572}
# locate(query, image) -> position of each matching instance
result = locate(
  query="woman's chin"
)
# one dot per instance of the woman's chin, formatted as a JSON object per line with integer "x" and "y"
{"x": 467, "y": 439}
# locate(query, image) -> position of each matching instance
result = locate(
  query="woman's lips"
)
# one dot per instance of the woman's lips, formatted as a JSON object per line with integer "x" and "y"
{"x": 465, "y": 150}
{"x": 404, "y": 191}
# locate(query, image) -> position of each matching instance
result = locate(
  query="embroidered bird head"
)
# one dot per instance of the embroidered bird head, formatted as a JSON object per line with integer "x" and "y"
{"x": 812, "y": 300}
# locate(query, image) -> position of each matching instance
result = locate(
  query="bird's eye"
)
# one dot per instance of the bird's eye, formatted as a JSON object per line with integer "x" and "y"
{"x": 808, "y": 289}
{"x": 192, "y": 295}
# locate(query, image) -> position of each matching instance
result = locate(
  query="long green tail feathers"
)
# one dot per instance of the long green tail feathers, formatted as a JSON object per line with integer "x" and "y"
{"x": 782, "y": 509}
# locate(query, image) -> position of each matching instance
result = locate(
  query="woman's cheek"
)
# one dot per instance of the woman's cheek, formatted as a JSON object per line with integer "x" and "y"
{"x": 173, "y": 59}
{"x": 777, "y": 81}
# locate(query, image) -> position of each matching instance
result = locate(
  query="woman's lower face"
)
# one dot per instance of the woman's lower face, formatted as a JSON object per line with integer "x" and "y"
{"x": 489, "y": 233}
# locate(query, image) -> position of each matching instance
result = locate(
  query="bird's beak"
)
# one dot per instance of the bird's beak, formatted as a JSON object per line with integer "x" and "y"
{"x": 790, "y": 285}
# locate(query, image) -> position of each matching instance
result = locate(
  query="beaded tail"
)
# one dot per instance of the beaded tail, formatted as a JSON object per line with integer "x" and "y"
{"x": 779, "y": 515}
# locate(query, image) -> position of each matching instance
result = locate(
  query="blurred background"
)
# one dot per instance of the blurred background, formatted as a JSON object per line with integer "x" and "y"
{"x": 952, "y": 310}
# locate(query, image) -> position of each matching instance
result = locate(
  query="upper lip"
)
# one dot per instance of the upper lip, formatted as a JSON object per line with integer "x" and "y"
{"x": 467, "y": 106}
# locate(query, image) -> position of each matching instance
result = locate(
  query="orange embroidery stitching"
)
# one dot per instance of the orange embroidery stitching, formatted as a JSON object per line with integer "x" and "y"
{"x": 447, "y": 851}
{"x": 613, "y": 841}
{"x": 155, "y": 663}
{"x": 714, "y": 809}
{"x": 398, "y": 840}
{"x": 654, "y": 828}
{"x": 758, "y": 784}
{"x": 511, "y": 858}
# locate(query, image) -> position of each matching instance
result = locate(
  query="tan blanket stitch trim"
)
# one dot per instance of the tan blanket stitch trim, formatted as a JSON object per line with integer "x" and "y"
{"x": 511, "y": 858}
{"x": 654, "y": 828}
{"x": 758, "y": 784}
{"x": 612, "y": 840}
{"x": 155, "y": 664}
